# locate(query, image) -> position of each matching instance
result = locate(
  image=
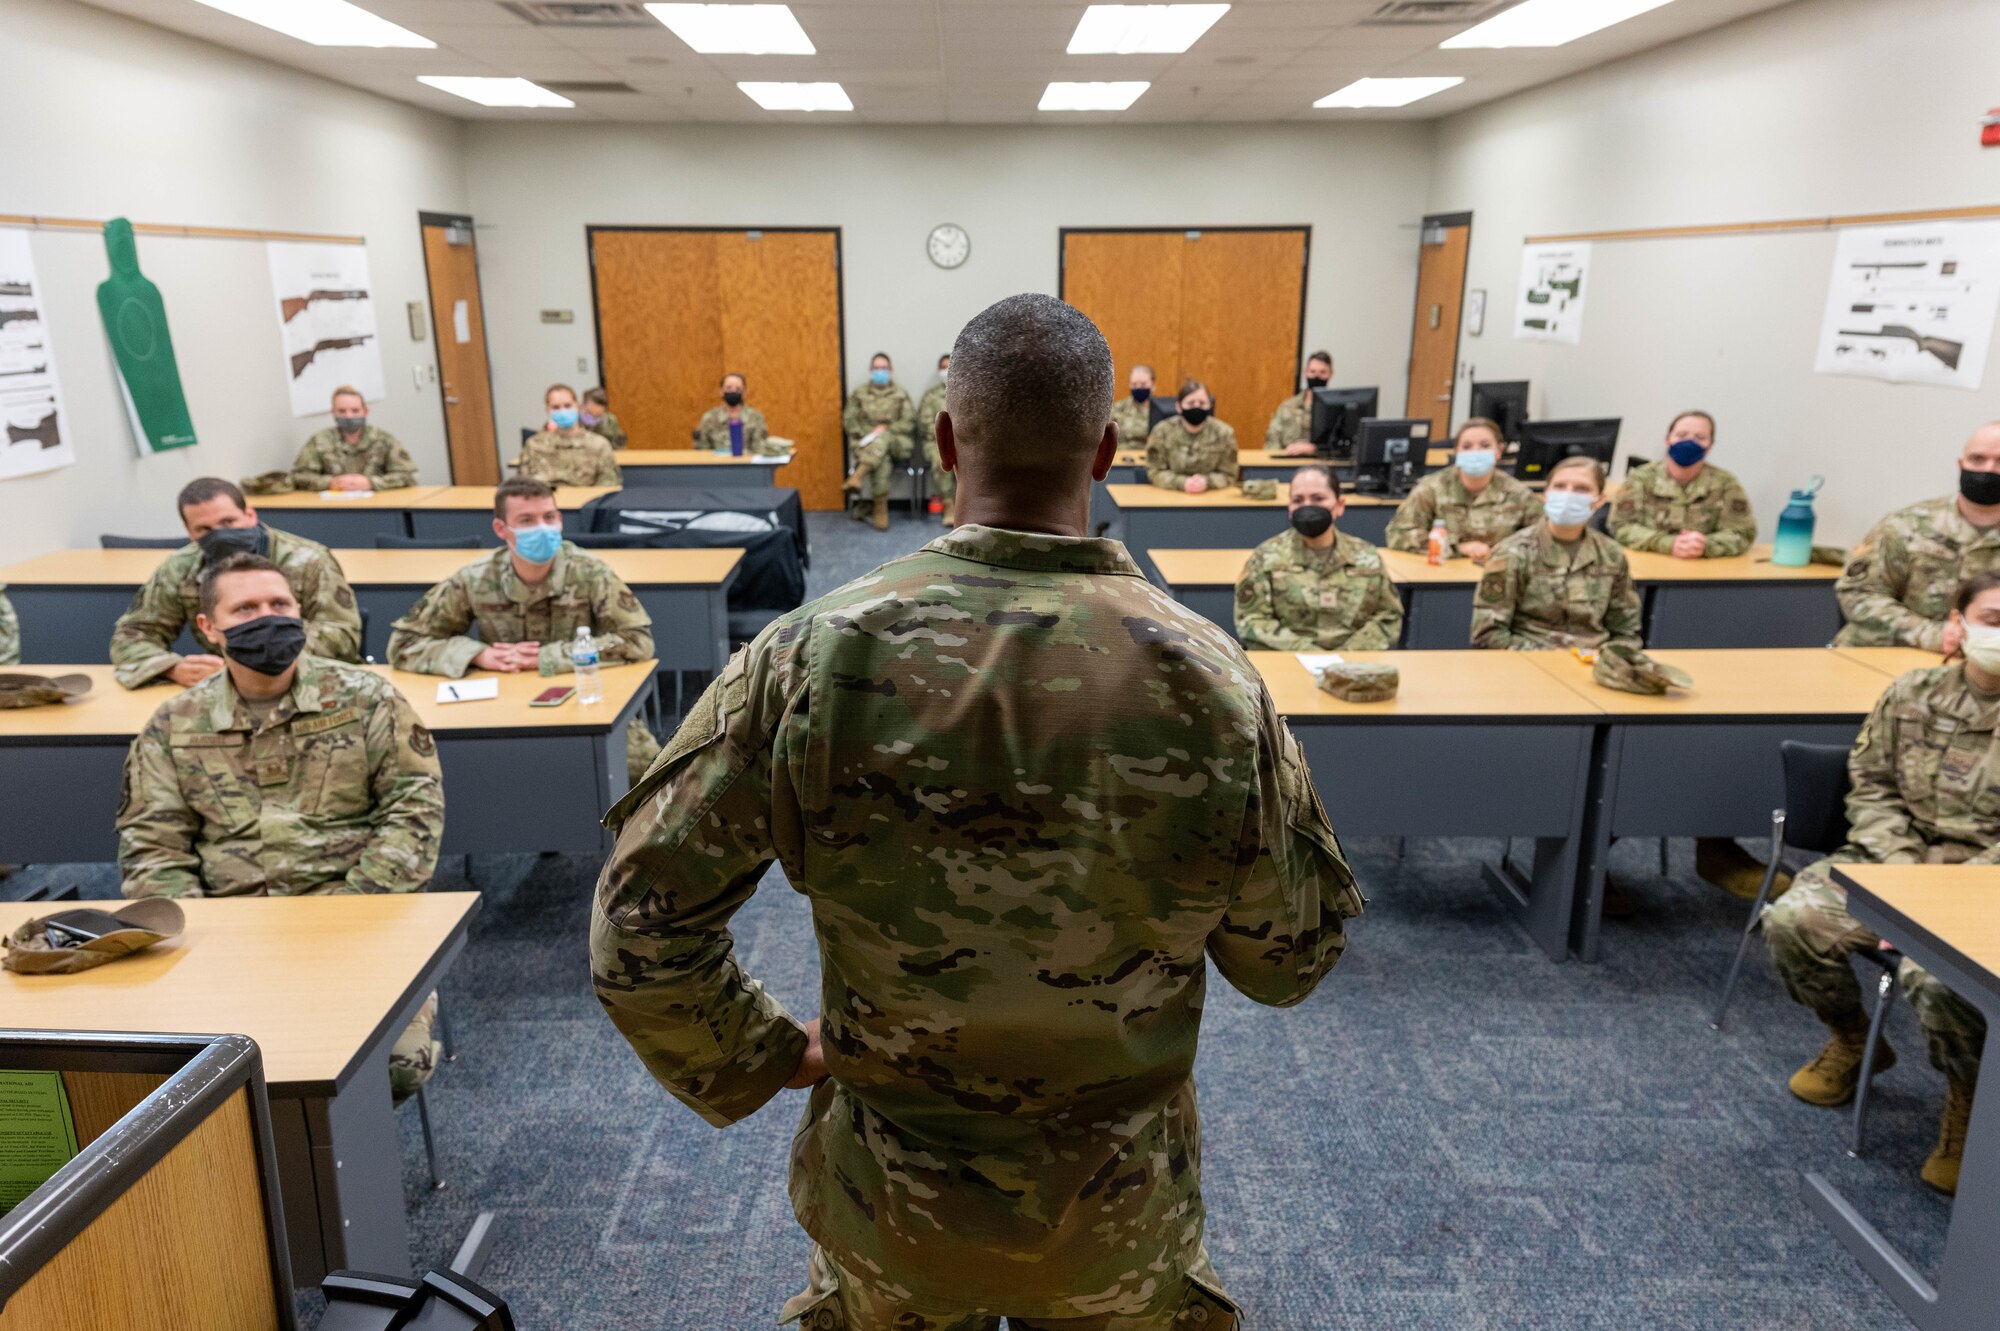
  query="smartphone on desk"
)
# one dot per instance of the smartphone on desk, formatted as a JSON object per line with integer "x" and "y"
{"x": 554, "y": 697}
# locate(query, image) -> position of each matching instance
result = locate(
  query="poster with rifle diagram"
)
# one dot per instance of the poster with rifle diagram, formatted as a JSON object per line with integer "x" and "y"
{"x": 31, "y": 408}
{"x": 326, "y": 322}
{"x": 1550, "y": 306}
{"x": 1912, "y": 304}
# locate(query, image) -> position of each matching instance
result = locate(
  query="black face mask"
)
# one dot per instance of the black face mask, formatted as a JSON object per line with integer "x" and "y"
{"x": 1310, "y": 520}
{"x": 1979, "y": 487}
{"x": 267, "y": 645}
{"x": 226, "y": 541}
{"x": 732, "y": 399}
{"x": 1141, "y": 394}
{"x": 1194, "y": 415}
{"x": 1317, "y": 381}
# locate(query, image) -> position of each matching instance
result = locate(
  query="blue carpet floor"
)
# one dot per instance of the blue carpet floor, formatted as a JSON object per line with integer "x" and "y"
{"x": 1453, "y": 1132}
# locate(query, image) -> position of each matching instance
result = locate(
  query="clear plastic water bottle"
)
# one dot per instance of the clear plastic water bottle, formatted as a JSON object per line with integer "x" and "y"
{"x": 583, "y": 655}
{"x": 1793, "y": 545}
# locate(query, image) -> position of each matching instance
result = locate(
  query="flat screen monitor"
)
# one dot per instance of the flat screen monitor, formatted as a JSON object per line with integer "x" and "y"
{"x": 1545, "y": 443}
{"x": 1391, "y": 454}
{"x": 1337, "y": 414}
{"x": 1160, "y": 408}
{"x": 1505, "y": 404}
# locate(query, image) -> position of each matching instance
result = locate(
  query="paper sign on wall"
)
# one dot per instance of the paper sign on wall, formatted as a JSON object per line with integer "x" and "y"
{"x": 1550, "y": 306}
{"x": 1912, "y": 304}
{"x": 30, "y": 398}
{"x": 326, "y": 322}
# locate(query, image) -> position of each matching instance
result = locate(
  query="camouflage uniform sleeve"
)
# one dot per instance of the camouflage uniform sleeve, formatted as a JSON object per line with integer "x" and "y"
{"x": 1623, "y": 621}
{"x": 530, "y": 463}
{"x": 607, "y": 468}
{"x": 1878, "y": 818}
{"x": 10, "y": 633}
{"x": 1275, "y": 432}
{"x": 903, "y": 429}
{"x": 1158, "y": 473}
{"x": 851, "y": 420}
{"x": 695, "y": 836}
{"x": 432, "y": 638}
{"x": 1227, "y": 468}
{"x": 333, "y": 624}
{"x": 1738, "y": 531}
{"x": 1410, "y": 529}
{"x": 1382, "y": 626}
{"x": 1257, "y": 623}
{"x": 142, "y": 639}
{"x": 613, "y": 432}
{"x": 399, "y": 469}
{"x": 408, "y": 787}
{"x": 1870, "y": 592}
{"x": 756, "y": 434}
{"x": 1493, "y": 603}
{"x": 1630, "y": 531}
{"x": 156, "y": 828}
{"x": 619, "y": 625}
{"x": 310, "y": 467}
{"x": 1284, "y": 928}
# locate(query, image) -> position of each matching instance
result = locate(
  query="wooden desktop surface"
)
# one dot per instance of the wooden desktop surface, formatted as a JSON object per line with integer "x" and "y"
{"x": 109, "y": 711}
{"x": 1414, "y": 570}
{"x": 1212, "y": 568}
{"x": 1891, "y": 661}
{"x": 87, "y": 568}
{"x": 481, "y": 496}
{"x": 1756, "y": 566}
{"x": 1500, "y": 686}
{"x": 373, "y": 568}
{"x": 406, "y": 497}
{"x": 1752, "y": 681}
{"x": 310, "y": 979}
{"x": 1957, "y": 904}
{"x": 1152, "y": 496}
{"x": 693, "y": 457}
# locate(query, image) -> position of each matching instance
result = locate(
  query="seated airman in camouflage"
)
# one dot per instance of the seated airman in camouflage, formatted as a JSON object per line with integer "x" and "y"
{"x": 1481, "y": 505}
{"x": 351, "y": 454}
{"x": 595, "y": 416}
{"x": 1290, "y": 430}
{"x": 221, "y": 522}
{"x": 283, "y": 774}
{"x": 1133, "y": 413}
{"x": 1558, "y": 584}
{"x": 565, "y": 453}
{"x": 942, "y": 483}
{"x": 1926, "y": 790}
{"x": 1032, "y": 799}
{"x": 1194, "y": 451}
{"x": 1900, "y": 581}
{"x": 1684, "y": 505}
{"x": 719, "y": 427}
{"x": 1314, "y": 588}
{"x": 880, "y": 422}
{"x": 528, "y": 599}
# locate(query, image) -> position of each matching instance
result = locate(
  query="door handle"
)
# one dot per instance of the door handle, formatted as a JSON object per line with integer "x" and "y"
{"x": 1443, "y": 397}
{"x": 450, "y": 401}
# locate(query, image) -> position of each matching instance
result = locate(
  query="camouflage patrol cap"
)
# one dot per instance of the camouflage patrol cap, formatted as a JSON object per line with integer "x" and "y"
{"x": 23, "y": 690}
{"x": 32, "y": 951}
{"x": 1260, "y": 489}
{"x": 1357, "y": 681}
{"x": 269, "y": 483}
{"x": 1835, "y": 555}
{"x": 1630, "y": 670}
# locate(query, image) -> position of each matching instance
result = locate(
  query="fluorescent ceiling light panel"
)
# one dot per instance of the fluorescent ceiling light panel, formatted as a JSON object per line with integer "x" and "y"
{"x": 322, "y": 22}
{"x": 1550, "y": 22}
{"x": 798, "y": 96}
{"x": 1386, "y": 92}
{"x": 494, "y": 91}
{"x": 1142, "y": 29}
{"x": 1090, "y": 96}
{"x": 736, "y": 29}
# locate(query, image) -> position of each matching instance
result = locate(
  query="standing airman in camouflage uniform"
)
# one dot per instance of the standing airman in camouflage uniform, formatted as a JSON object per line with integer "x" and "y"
{"x": 528, "y": 609}
{"x": 881, "y": 426}
{"x": 1558, "y": 584}
{"x": 1031, "y": 799}
{"x": 712, "y": 433}
{"x": 10, "y": 631}
{"x": 1315, "y": 588}
{"x": 1194, "y": 451}
{"x": 1683, "y": 505}
{"x": 1924, "y": 770}
{"x": 565, "y": 453}
{"x": 1898, "y": 587}
{"x": 219, "y": 521}
{"x": 283, "y": 774}
{"x": 943, "y": 484}
{"x": 1133, "y": 415}
{"x": 351, "y": 454}
{"x": 595, "y": 416}
{"x": 1290, "y": 430}
{"x": 1480, "y": 504}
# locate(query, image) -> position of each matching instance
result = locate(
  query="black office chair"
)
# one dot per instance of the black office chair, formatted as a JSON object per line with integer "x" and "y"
{"x": 108, "y": 542}
{"x": 528, "y": 432}
{"x": 385, "y": 541}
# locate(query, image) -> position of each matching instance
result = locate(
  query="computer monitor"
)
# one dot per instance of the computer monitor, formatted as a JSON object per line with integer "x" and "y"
{"x": 1545, "y": 443}
{"x": 1390, "y": 454}
{"x": 1336, "y": 418}
{"x": 1159, "y": 408}
{"x": 1505, "y": 404}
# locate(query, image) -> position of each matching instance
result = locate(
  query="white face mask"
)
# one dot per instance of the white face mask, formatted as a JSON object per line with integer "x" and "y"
{"x": 1566, "y": 508}
{"x": 1982, "y": 647}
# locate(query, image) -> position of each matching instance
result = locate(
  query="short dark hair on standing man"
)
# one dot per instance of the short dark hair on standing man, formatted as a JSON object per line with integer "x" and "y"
{"x": 1970, "y": 590}
{"x": 198, "y": 492}
{"x": 1034, "y": 372}
{"x": 518, "y": 487}
{"x": 206, "y": 591}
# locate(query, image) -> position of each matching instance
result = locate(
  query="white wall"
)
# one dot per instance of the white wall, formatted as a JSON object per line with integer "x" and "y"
{"x": 1823, "y": 107}
{"x": 107, "y": 117}
{"x": 1360, "y": 187}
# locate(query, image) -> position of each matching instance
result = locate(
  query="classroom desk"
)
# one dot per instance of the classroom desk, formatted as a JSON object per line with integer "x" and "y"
{"x": 1742, "y": 601}
{"x": 1431, "y": 762}
{"x": 69, "y": 601}
{"x": 454, "y": 512}
{"x": 61, "y": 767}
{"x": 356, "y": 521}
{"x": 1149, "y": 518}
{"x": 324, "y": 985}
{"x": 1437, "y": 601}
{"x": 1891, "y": 661}
{"x": 692, "y": 467}
{"x": 1946, "y": 918}
{"x": 1704, "y": 762}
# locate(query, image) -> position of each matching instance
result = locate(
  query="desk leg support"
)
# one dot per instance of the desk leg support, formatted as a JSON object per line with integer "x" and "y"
{"x": 1544, "y": 899}
{"x": 1586, "y": 924}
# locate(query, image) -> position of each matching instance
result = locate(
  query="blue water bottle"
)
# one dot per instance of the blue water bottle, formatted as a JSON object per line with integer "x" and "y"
{"x": 736, "y": 438}
{"x": 1793, "y": 545}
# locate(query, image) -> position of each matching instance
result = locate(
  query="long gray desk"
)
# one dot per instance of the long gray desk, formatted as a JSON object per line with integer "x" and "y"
{"x": 693, "y": 469}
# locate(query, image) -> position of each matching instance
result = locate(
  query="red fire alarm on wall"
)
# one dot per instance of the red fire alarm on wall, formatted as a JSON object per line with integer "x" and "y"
{"x": 1990, "y": 135}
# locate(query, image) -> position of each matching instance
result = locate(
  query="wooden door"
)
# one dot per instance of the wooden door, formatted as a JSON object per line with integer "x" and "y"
{"x": 1441, "y": 259}
{"x": 1129, "y": 283}
{"x": 678, "y": 308}
{"x": 458, "y": 323}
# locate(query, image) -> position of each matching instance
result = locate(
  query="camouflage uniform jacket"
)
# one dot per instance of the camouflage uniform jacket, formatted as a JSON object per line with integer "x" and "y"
{"x": 608, "y": 426}
{"x": 377, "y": 454}
{"x": 1134, "y": 421}
{"x": 1174, "y": 453}
{"x": 143, "y": 638}
{"x": 1293, "y": 598}
{"x": 927, "y": 414}
{"x": 712, "y": 433}
{"x": 1029, "y": 796}
{"x": 1654, "y": 508}
{"x": 337, "y": 791}
{"x": 1900, "y": 583}
{"x": 557, "y": 459}
{"x": 1290, "y": 423}
{"x": 1504, "y": 507}
{"x": 581, "y": 590}
{"x": 1536, "y": 594}
{"x": 869, "y": 406}
{"x": 1926, "y": 773}
{"x": 10, "y": 631}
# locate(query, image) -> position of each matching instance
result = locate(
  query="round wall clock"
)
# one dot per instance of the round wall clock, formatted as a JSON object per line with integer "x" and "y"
{"x": 948, "y": 245}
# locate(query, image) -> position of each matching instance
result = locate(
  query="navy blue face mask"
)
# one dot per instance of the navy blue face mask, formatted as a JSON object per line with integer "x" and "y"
{"x": 1686, "y": 452}
{"x": 1141, "y": 394}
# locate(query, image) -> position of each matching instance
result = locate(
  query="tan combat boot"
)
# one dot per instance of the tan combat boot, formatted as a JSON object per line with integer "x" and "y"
{"x": 1721, "y": 861}
{"x": 1941, "y": 1170}
{"x": 881, "y": 515}
{"x": 853, "y": 481}
{"x": 1831, "y": 1077}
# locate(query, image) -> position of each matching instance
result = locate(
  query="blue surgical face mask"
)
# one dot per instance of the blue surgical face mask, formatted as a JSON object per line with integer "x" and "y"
{"x": 537, "y": 545}
{"x": 1686, "y": 452}
{"x": 563, "y": 418}
{"x": 1478, "y": 462}
{"x": 878, "y": 377}
{"x": 1566, "y": 508}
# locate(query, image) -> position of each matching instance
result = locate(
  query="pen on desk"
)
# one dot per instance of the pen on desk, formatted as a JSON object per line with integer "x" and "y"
{"x": 452, "y": 689}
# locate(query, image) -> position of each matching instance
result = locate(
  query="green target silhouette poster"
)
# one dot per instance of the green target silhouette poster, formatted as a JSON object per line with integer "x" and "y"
{"x": 135, "y": 320}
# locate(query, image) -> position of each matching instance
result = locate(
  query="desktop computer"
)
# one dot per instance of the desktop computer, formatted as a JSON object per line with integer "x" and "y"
{"x": 1337, "y": 414}
{"x": 1391, "y": 454}
{"x": 1505, "y": 404}
{"x": 1545, "y": 443}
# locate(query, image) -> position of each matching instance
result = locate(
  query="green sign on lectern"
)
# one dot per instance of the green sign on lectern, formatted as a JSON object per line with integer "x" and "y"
{"x": 135, "y": 319}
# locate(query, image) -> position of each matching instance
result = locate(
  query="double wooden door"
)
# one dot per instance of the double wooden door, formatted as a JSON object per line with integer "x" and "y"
{"x": 677, "y": 308}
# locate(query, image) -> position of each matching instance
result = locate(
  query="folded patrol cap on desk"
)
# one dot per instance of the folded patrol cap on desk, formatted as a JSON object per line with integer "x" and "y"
{"x": 24, "y": 690}
{"x": 76, "y": 940}
{"x": 269, "y": 483}
{"x": 1263, "y": 488}
{"x": 1361, "y": 681}
{"x": 1632, "y": 671}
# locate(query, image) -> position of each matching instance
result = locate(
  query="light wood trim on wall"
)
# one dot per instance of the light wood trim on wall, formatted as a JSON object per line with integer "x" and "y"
{"x": 1785, "y": 224}
{"x": 176, "y": 229}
